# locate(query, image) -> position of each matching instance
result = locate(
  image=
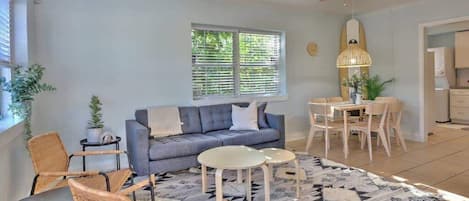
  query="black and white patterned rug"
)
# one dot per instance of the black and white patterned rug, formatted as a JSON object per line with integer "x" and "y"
{"x": 321, "y": 180}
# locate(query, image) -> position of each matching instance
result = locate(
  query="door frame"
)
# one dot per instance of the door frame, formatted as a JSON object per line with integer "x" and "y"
{"x": 423, "y": 107}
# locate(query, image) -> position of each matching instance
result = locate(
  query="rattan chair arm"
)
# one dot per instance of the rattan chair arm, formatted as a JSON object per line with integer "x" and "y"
{"x": 74, "y": 174}
{"x": 101, "y": 152}
{"x": 134, "y": 187}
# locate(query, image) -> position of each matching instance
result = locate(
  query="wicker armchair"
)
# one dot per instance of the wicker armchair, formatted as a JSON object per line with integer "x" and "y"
{"x": 51, "y": 162}
{"x": 80, "y": 192}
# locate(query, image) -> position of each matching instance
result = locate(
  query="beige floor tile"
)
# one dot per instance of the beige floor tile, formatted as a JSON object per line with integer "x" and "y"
{"x": 431, "y": 173}
{"x": 458, "y": 184}
{"x": 438, "y": 162}
{"x": 389, "y": 167}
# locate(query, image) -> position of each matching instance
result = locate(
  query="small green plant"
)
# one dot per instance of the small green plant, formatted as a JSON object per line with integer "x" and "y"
{"x": 96, "y": 115}
{"x": 23, "y": 87}
{"x": 374, "y": 87}
{"x": 357, "y": 82}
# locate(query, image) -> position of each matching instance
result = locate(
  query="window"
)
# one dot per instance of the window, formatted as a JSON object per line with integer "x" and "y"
{"x": 228, "y": 62}
{"x": 5, "y": 20}
{"x": 6, "y": 60}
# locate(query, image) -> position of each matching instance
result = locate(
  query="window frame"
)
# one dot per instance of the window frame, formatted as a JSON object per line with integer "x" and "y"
{"x": 5, "y": 97}
{"x": 237, "y": 96}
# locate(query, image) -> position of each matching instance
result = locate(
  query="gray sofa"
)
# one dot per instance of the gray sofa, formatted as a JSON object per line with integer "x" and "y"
{"x": 203, "y": 128}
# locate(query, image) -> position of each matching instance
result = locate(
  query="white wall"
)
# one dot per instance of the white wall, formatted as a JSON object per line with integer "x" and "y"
{"x": 16, "y": 168}
{"x": 392, "y": 36}
{"x": 135, "y": 54}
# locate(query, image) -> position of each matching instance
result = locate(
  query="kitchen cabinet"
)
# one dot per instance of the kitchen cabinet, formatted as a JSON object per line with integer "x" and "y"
{"x": 462, "y": 49}
{"x": 459, "y": 105}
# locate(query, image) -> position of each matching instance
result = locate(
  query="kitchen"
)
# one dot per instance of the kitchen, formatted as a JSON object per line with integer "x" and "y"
{"x": 448, "y": 45}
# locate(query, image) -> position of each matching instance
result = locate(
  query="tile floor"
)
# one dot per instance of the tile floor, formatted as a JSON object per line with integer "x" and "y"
{"x": 442, "y": 163}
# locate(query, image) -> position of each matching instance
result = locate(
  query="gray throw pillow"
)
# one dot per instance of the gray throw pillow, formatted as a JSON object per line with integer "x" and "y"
{"x": 261, "y": 117}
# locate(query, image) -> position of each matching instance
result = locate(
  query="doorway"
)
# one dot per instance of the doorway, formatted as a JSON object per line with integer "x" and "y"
{"x": 437, "y": 43}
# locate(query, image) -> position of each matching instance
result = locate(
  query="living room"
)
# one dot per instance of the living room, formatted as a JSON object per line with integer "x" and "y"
{"x": 134, "y": 55}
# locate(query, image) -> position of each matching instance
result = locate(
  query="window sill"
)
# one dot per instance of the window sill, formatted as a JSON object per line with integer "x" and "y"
{"x": 222, "y": 100}
{"x": 6, "y": 125}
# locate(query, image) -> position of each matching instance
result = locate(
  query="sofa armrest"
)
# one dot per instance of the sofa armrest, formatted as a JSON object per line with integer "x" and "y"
{"x": 138, "y": 146}
{"x": 277, "y": 121}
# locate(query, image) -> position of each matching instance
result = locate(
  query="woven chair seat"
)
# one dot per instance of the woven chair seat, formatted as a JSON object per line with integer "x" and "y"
{"x": 116, "y": 179}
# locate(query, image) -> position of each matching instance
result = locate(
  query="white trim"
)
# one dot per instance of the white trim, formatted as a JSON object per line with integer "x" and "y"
{"x": 222, "y": 100}
{"x": 421, "y": 38}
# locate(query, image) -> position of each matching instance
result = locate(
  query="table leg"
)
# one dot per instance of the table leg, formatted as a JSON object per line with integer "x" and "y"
{"x": 118, "y": 158}
{"x": 219, "y": 184}
{"x": 248, "y": 185}
{"x": 204, "y": 178}
{"x": 266, "y": 171}
{"x": 297, "y": 174}
{"x": 239, "y": 179}
{"x": 83, "y": 158}
{"x": 345, "y": 134}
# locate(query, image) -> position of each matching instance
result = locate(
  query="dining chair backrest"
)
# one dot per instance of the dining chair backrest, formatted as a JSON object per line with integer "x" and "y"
{"x": 320, "y": 113}
{"x": 318, "y": 100}
{"x": 335, "y": 99}
{"x": 395, "y": 107}
{"x": 81, "y": 192}
{"x": 375, "y": 109}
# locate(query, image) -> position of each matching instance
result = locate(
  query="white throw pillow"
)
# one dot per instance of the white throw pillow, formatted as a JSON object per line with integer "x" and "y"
{"x": 244, "y": 118}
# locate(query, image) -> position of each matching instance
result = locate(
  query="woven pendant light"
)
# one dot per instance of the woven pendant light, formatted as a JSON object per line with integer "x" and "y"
{"x": 353, "y": 57}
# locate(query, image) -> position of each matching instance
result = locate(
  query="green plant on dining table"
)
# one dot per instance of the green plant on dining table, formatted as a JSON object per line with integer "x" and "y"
{"x": 24, "y": 85}
{"x": 374, "y": 86}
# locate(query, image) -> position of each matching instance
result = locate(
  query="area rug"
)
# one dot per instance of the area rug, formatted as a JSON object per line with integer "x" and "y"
{"x": 322, "y": 180}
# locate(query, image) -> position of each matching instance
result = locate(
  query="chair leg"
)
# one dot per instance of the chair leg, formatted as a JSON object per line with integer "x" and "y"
{"x": 401, "y": 139}
{"x": 312, "y": 131}
{"x": 388, "y": 135}
{"x": 377, "y": 141}
{"x": 368, "y": 135}
{"x": 33, "y": 187}
{"x": 326, "y": 137}
{"x": 382, "y": 134}
{"x": 363, "y": 140}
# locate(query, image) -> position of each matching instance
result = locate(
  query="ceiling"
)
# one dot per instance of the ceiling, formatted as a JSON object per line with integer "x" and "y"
{"x": 337, "y": 6}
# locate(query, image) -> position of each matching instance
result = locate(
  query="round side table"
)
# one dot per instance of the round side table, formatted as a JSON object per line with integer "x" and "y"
{"x": 233, "y": 158}
{"x": 276, "y": 156}
{"x": 84, "y": 143}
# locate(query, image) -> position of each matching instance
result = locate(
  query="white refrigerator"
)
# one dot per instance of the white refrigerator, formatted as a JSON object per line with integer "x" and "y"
{"x": 445, "y": 78}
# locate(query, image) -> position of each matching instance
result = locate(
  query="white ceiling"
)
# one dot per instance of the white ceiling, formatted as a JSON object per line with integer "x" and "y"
{"x": 337, "y": 6}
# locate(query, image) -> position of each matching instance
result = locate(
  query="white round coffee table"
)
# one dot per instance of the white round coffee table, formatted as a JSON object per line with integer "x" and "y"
{"x": 233, "y": 158}
{"x": 276, "y": 156}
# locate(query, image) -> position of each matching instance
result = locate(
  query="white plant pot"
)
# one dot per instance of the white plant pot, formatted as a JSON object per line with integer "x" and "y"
{"x": 94, "y": 135}
{"x": 358, "y": 99}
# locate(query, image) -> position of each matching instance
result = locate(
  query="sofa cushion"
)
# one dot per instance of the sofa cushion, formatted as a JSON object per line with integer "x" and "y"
{"x": 228, "y": 137}
{"x": 189, "y": 116}
{"x": 261, "y": 117}
{"x": 191, "y": 119}
{"x": 215, "y": 117}
{"x": 181, "y": 145}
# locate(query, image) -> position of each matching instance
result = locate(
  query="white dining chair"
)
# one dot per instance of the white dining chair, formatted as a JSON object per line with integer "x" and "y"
{"x": 376, "y": 113}
{"x": 320, "y": 119}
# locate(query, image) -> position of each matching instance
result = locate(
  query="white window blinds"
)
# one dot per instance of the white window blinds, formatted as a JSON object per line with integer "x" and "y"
{"x": 5, "y": 47}
{"x": 231, "y": 62}
{"x": 259, "y": 63}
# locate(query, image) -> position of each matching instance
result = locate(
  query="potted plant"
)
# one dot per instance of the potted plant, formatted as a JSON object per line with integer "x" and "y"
{"x": 96, "y": 124}
{"x": 23, "y": 87}
{"x": 356, "y": 82}
{"x": 374, "y": 87}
